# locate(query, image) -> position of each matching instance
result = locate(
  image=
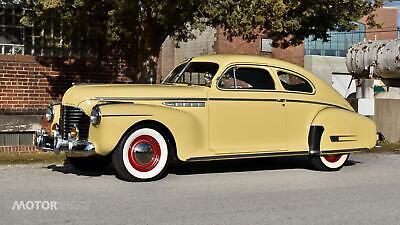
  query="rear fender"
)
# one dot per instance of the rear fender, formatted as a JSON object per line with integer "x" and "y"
{"x": 343, "y": 131}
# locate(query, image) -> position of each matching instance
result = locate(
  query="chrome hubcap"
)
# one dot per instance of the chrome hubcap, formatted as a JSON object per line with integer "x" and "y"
{"x": 143, "y": 153}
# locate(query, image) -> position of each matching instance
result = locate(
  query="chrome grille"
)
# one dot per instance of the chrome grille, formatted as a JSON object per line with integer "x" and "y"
{"x": 71, "y": 116}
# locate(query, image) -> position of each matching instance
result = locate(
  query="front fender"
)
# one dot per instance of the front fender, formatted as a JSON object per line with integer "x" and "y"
{"x": 188, "y": 126}
{"x": 345, "y": 130}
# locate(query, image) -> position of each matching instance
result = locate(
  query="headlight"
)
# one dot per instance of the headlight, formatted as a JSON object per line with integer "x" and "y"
{"x": 95, "y": 116}
{"x": 50, "y": 114}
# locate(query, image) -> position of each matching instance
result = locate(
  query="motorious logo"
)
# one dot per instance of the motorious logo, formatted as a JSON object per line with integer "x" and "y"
{"x": 35, "y": 205}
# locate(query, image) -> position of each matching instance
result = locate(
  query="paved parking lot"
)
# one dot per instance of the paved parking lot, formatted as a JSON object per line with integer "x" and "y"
{"x": 262, "y": 191}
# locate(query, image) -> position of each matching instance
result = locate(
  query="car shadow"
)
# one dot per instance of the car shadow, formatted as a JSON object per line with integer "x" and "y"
{"x": 217, "y": 166}
{"x": 246, "y": 165}
{"x": 67, "y": 168}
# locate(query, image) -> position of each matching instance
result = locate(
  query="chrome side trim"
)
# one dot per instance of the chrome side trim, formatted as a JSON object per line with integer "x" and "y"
{"x": 341, "y": 151}
{"x": 147, "y": 99}
{"x": 272, "y": 154}
{"x": 213, "y": 99}
{"x": 122, "y": 115}
{"x": 185, "y": 104}
{"x": 342, "y": 138}
{"x": 275, "y": 100}
{"x": 255, "y": 155}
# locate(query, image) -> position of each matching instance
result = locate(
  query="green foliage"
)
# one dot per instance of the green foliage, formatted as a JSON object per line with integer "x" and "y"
{"x": 136, "y": 29}
{"x": 288, "y": 22}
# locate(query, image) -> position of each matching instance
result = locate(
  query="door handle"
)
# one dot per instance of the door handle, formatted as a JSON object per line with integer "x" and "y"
{"x": 281, "y": 100}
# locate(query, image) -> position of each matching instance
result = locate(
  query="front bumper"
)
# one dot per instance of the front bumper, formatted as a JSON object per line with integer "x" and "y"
{"x": 56, "y": 143}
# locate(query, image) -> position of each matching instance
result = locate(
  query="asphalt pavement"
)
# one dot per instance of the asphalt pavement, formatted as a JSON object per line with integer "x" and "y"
{"x": 262, "y": 191}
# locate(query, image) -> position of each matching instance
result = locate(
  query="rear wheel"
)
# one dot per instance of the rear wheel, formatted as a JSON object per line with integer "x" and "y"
{"x": 142, "y": 155}
{"x": 91, "y": 163}
{"x": 331, "y": 162}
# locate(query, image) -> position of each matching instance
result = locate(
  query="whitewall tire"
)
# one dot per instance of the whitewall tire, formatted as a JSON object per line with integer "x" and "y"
{"x": 142, "y": 155}
{"x": 332, "y": 162}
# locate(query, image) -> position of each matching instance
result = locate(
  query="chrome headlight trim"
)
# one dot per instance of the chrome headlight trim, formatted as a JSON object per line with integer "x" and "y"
{"x": 49, "y": 113}
{"x": 95, "y": 116}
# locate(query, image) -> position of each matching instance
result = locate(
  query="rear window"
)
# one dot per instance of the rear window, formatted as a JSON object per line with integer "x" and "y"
{"x": 292, "y": 82}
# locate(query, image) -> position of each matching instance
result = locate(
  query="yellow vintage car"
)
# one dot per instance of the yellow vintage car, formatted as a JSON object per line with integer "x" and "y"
{"x": 208, "y": 108}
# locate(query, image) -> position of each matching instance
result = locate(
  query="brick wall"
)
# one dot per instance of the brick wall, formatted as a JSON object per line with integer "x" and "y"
{"x": 387, "y": 17}
{"x": 23, "y": 85}
{"x": 236, "y": 46}
{"x": 28, "y": 84}
{"x": 19, "y": 149}
{"x": 292, "y": 54}
{"x": 239, "y": 46}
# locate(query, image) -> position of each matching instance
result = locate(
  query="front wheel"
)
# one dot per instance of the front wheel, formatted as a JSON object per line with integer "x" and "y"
{"x": 332, "y": 162}
{"x": 142, "y": 155}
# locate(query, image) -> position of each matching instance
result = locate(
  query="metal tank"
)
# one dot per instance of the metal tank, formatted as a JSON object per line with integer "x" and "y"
{"x": 375, "y": 59}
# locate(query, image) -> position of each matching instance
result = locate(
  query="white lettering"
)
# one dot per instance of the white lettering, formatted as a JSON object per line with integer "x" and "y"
{"x": 18, "y": 205}
{"x": 35, "y": 205}
{"x": 29, "y": 205}
{"x": 53, "y": 205}
{"x": 45, "y": 205}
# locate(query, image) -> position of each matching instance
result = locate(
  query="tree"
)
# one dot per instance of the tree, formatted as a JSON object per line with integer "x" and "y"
{"x": 135, "y": 29}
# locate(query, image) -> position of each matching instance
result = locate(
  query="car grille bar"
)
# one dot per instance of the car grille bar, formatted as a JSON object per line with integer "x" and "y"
{"x": 71, "y": 116}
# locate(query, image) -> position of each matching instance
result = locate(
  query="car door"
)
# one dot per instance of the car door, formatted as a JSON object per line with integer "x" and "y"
{"x": 301, "y": 107}
{"x": 246, "y": 114}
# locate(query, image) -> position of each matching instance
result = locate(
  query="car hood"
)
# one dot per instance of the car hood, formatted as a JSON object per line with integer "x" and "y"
{"x": 79, "y": 94}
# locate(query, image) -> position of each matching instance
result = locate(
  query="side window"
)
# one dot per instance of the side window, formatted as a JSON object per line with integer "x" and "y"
{"x": 198, "y": 73}
{"x": 246, "y": 78}
{"x": 293, "y": 82}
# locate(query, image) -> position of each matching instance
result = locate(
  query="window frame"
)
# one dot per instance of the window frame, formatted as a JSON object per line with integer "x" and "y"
{"x": 277, "y": 69}
{"x": 256, "y": 66}
{"x": 182, "y": 72}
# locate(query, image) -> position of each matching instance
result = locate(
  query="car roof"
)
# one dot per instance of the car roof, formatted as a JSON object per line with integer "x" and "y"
{"x": 251, "y": 59}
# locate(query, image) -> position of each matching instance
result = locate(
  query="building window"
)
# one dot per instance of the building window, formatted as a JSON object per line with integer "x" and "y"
{"x": 12, "y": 33}
{"x": 337, "y": 45}
{"x": 266, "y": 45}
{"x": 16, "y": 138}
{"x": 16, "y": 39}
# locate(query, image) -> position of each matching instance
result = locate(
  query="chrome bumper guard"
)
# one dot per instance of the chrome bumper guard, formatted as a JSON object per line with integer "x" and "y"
{"x": 56, "y": 144}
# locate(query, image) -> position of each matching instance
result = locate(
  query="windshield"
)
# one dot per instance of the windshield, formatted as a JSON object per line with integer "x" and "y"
{"x": 197, "y": 73}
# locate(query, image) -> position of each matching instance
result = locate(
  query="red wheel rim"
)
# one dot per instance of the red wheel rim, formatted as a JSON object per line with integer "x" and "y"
{"x": 332, "y": 158}
{"x": 144, "y": 143}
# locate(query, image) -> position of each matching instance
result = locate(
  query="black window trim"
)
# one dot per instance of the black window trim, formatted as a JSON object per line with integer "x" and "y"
{"x": 295, "y": 74}
{"x": 244, "y": 89}
{"x": 188, "y": 62}
{"x": 274, "y": 77}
